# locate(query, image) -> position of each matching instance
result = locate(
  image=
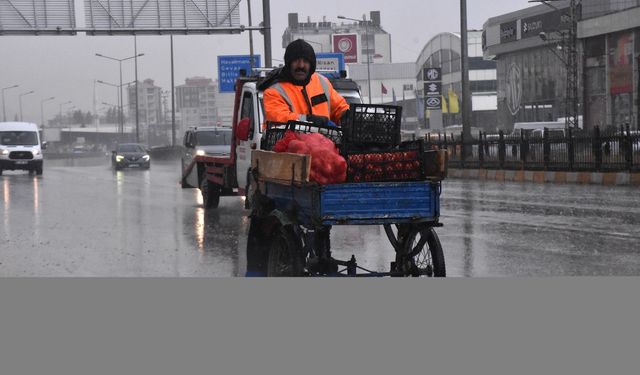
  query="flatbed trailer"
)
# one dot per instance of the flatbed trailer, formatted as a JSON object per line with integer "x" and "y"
{"x": 291, "y": 222}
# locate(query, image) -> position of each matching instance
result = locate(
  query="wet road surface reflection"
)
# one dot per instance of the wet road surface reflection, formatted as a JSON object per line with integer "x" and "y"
{"x": 87, "y": 220}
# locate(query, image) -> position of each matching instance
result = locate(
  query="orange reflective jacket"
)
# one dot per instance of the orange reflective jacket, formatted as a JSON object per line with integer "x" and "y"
{"x": 285, "y": 101}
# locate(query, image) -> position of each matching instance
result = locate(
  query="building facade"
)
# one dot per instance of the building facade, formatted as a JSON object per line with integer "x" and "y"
{"x": 150, "y": 115}
{"x": 443, "y": 51}
{"x": 356, "y": 40}
{"x": 530, "y": 48}
{"x": 196, "y": 103}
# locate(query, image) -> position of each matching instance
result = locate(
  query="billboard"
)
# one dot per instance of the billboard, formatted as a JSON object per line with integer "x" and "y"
{"x": 346, "y": 44}
{"x": 37, "y": 17}
{"x": 229, "y": 69}
{"x": 162, "y": 16}
{"x": 621, "y": 63}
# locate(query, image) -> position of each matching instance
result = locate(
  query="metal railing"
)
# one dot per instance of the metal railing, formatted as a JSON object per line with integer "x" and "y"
{"x": 571, "y": 150}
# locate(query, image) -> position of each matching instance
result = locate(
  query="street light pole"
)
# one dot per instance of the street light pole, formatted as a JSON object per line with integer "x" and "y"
{"x": 135, "y": 52}
{"x": 366, "y": 34}
{"x": 4, "y": 113}
{"x": 121, "y": 130}
{"x": 570, "y": 42}
{"x": 61, "y": 104}
{"x": 42, "y": 111}
{"x": 312, "y": 42}
{"x": 20, "y": 101}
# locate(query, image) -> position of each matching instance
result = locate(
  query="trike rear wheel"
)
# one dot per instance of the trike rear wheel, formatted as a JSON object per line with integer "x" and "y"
{"x": 421, "y": 254}
{"x": 285, "y": 254}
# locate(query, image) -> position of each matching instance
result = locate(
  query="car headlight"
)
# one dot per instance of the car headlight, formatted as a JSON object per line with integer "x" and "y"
{"x": 4, "y": 152}
{"x": 146, "y": 158}
{"x": 200, "y": 152}
{"x": 119, "y": 158}
{"x": 36, "y": 152}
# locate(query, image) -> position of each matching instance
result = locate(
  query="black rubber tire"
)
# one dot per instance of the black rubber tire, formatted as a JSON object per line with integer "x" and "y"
{"x": 257, "y": 248}
{"x": 422, "y": 254}
{"x": 0, "y": 172}
{"x": 210, "y": 194}
{"x": 38, "y": 171}
{"x": 285, "y": 254}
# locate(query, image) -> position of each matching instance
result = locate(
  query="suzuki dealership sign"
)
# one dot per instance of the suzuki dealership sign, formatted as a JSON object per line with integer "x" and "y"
{"x": 346, "y": 44}
{"x": 329, "y": 61}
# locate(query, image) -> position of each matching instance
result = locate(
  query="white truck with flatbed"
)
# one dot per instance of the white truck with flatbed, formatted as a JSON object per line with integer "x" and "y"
{"x": 228, "y": 175}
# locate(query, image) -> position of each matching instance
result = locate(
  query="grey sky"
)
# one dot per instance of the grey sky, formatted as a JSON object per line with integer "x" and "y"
{"x": 66, "y": 66}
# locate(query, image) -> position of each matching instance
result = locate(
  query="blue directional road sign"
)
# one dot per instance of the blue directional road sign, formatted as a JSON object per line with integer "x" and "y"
{"x": 229, "y": 69}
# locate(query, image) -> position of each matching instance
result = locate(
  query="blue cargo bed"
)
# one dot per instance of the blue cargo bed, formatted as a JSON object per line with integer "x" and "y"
{"x": 358, "y": 203}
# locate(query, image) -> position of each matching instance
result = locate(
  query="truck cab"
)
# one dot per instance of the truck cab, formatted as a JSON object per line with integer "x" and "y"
{"x": 199, "y": 141}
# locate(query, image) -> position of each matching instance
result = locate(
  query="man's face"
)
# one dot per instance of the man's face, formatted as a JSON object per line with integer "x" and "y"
{"x": 300, "y": 69}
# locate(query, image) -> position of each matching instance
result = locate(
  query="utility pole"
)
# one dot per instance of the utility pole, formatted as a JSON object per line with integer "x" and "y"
{"x": 250, "y": 40}
{"x": 366, "y": 36}
{"x": 571, "y": 120}
{"x": 464, "y": 55}
{"x": 173, "y": 99}
{"x": 570, "y": 48}
{"x": 4, "y": 111}
{"x": 266, "y": 14}
{"x": 135, "y": 52}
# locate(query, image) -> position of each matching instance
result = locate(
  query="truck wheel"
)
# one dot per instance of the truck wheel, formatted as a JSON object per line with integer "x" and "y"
{"x": 39, "y": 171}
{"x": 285, "y": 254}
{"x": 0, "y": 172}
{"x": 210, "y": 194}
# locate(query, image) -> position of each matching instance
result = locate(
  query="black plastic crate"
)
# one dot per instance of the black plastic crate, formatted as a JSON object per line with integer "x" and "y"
{"x": 273, "y": 133}
{"x": 372, "y": 125}
{"x": 276, "y": 130}
{"x": 402, "y": 163}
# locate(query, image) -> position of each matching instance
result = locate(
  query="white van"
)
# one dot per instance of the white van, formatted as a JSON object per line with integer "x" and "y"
{"x": 20, "y": 147}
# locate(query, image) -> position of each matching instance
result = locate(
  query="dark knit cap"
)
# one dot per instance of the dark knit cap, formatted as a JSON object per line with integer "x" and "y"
{"x": 295, "y": 50}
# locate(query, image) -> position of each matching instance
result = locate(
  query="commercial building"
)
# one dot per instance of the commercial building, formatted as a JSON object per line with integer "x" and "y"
{"x": 356, "y": 40}
{"x": 443, "y": 51}
{"x": 530, "y": 47}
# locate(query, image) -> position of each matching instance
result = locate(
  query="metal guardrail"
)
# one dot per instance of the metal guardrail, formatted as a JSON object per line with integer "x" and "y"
{"x": 598, "y": 151}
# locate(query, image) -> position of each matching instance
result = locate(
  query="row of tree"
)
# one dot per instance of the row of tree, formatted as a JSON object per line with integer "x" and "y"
{"x": 86, "y": 118}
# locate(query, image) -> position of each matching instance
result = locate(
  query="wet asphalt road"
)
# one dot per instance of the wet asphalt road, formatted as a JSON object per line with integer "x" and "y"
{"x": 83, "y": 219}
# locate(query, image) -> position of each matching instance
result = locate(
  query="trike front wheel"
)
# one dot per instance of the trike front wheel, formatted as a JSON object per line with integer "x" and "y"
{"x": 422, "y": 254}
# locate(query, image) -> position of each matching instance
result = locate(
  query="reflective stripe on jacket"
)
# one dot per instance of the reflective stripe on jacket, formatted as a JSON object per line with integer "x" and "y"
{"x": 285, "y": 101}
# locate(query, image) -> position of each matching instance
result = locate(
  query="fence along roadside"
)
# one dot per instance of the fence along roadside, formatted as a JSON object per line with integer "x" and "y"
{"x": 552, "y": 150}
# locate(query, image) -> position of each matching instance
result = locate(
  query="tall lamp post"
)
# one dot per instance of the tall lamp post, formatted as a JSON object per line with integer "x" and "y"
{"x": 20, "y": 100}
{"x": 61, "y": 104}
{"x": 4, "y": 113}
{"x": 42, "y": 111}
{"x": 366, "y": 34}
{"x": 120, "y": 105}
{"x": 120, "y": 86}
